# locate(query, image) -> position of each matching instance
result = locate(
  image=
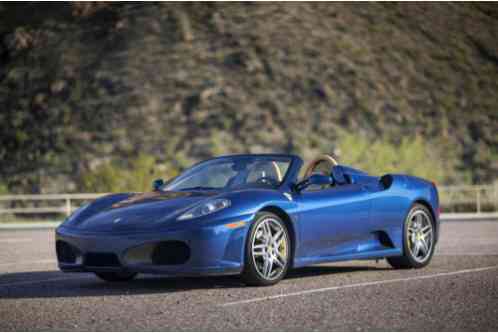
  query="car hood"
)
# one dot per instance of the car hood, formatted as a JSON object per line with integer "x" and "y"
{"x": 135, "y": 211}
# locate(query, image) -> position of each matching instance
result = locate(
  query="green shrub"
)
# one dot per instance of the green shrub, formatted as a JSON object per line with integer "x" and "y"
{"x": 412, "y": 156}
{"x": 106, "y": 178}
{"x": 135, "y": 175}
{"x": 3, "y": 189}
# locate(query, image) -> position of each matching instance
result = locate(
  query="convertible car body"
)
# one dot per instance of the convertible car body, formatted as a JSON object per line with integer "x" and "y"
{"x": 251, "y": 215}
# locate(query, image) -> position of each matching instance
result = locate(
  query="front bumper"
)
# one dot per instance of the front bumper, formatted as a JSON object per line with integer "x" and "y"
{"x": 214, "y": 249}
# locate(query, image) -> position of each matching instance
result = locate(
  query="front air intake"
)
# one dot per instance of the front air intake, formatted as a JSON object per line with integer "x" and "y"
{"x": 170, "y": 253}
{"x": 65, "y": 252}
{"x": 100, "y": 259}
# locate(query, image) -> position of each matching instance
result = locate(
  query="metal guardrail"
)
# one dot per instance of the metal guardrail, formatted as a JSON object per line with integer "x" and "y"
{"x": 455, "y": 217}
{"x": 480, "y": 197}
{"x": 473, "y": 198}
{"x": 67, "y": 201}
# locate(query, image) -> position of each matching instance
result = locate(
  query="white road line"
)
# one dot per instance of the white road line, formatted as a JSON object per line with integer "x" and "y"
{"x": 43, "y": 261}
{"x": 466, "y": 254}
{"x": 356, "y": 285}
{"x": 15, "y": 240}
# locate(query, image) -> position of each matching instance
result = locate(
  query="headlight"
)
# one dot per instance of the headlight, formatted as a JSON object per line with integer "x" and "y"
{"x": 205, "y": 209}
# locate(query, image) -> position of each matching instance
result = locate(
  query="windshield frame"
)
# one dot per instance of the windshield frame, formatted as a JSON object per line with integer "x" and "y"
{"x": 292, "y": 170}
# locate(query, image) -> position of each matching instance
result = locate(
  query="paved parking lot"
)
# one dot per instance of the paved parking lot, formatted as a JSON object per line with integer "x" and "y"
{"x": 458, "y": 291}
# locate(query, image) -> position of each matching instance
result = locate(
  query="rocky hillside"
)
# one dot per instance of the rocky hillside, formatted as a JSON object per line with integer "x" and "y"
{"x": 91, "y": 93}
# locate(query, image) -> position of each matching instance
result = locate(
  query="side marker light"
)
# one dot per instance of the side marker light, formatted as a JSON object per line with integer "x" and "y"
{"x": 235, "y": 225}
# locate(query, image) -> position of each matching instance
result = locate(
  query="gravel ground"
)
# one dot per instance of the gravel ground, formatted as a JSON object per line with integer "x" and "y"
{"x": 457, "y": 291}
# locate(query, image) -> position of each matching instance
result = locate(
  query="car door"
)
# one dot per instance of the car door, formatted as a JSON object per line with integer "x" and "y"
{"x": 333, "y": 221}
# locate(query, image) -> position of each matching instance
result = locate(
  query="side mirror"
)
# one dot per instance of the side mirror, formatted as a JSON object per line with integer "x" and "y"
{"x": 338, "y": 175}
{"x": 315, "y": 179}
{"x": 157, "y": 184}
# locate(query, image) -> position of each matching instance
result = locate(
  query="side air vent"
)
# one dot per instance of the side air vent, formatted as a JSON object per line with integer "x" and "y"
{"x": 384, "y": 239}
{"x": 170, "y": 253}
{"x": 386, "y": 181}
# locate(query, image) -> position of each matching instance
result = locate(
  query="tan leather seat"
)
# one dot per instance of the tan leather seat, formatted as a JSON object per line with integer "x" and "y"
{"x": 316, "y": 165}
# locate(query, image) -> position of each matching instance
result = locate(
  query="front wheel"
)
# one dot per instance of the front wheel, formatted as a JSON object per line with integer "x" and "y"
{"x": 418, "y": 239}
{"x": 116, "y": 276}
{"x": 267, "y": 254}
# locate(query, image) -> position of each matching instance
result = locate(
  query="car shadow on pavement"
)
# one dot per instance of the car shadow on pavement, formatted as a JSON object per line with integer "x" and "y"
{"x": 52, "y": 284}
{"x": 311, "y": 271}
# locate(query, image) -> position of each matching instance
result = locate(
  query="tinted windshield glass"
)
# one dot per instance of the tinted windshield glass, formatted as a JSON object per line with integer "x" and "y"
{"x": 233, "y": 172}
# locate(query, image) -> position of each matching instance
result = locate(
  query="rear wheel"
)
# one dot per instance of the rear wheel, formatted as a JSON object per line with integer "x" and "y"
{"x": 116, "y": 276}
{"x": 418, "y": 239}
{"x": 267, "y": 254}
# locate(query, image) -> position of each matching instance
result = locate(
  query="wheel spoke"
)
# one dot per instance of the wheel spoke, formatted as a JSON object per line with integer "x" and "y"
{"x": 279, "y": 262}
{"x": 424, "y": 247}
{"x": 416, "y": 249}
{"x": 278, "y": 235}
{"x": 259, "y": 250}
{"x": 267, "y": 231}
{"x": 259, "y": 234}
{"x": 267, "y": 267}
{"x": 415, "y": 221}
{"x": 427, "y": 234}
{"x": 426, "y": 230}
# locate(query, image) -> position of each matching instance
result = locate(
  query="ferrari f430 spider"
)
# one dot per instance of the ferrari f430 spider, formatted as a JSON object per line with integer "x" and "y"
{"x": 252, "y": 215}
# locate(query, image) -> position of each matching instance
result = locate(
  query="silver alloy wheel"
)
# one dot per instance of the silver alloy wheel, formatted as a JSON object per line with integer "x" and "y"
{"x": 270, "y": 248}
{"x": 420, "y": 236}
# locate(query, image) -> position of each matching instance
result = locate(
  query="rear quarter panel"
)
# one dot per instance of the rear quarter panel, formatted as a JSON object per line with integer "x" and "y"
{"x": 391, "y": 206}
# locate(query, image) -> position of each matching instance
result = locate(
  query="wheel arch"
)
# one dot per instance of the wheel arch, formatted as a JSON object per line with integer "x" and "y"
{"x": 288, "y": 223}
{"x": 429, "y": 207}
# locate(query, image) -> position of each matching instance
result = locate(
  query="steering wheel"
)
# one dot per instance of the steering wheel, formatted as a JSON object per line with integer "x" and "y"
{"x": 310, "y": 169}
{"x": 267, "y": 181}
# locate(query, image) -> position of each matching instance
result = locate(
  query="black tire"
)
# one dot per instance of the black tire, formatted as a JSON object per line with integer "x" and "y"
{"x": 407, "y": 260}
{"x": 116, "y": 276}
{"x": 250, "y": 275}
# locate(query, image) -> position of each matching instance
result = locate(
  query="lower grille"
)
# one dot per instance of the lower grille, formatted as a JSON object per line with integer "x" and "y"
{"x": 170, "y": 253}
{"x": 65, "y": 252}
{"x": 97, "y": 259}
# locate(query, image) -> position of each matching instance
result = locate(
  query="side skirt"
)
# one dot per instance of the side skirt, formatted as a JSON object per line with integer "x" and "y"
{"x": 300, "y": 262}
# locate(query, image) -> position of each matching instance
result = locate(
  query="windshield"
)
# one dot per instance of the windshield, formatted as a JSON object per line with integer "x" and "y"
{"x": 233, "y": 172}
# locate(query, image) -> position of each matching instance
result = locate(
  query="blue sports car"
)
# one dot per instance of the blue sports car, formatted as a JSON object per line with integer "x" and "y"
{"x": 251, "y": 215}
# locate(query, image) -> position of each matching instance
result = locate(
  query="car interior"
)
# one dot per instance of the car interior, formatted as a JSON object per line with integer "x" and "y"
{"x": 326, "y": 165}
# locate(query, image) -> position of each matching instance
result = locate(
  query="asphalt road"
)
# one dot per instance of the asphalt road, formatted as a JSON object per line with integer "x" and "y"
{"x": 457, "y": 291}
